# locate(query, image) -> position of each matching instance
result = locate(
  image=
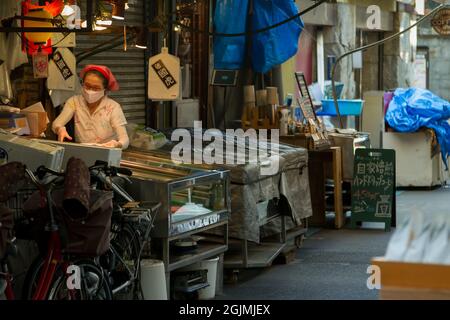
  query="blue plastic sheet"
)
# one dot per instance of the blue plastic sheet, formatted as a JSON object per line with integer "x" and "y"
{"x": 277, "y": 45}
{"x": 414, "y": 108}
{"x": 230, "y": 16}
{"x": 269, "y": 48}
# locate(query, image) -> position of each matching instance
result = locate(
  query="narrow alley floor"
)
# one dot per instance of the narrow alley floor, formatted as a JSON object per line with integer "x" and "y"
{"x": 332, "y": 264}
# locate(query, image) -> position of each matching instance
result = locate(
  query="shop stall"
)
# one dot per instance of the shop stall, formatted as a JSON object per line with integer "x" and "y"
{"x": 262, "y": 206}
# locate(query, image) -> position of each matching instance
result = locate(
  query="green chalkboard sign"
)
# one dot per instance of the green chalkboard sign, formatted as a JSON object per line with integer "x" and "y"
{"x": 373, "y": 188}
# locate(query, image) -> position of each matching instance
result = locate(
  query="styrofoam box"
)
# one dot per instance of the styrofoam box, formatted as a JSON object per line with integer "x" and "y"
{"x": 31, "y": 152}
{"x": 414, "y": 165}
{"x": 89, "y": 154}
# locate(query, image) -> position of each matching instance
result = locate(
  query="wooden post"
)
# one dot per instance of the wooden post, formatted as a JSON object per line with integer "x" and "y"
{"x": 337, "y": 177}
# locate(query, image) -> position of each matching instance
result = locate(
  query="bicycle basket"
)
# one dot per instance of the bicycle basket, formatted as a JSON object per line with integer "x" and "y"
{"x": 91, "y": 236}
{"x": 6, "y": 225}
{"x": 86, "y": 237}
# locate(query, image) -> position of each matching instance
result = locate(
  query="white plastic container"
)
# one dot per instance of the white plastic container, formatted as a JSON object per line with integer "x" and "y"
{"x": 153, "y": 280}
{"x": 211, "y": 266}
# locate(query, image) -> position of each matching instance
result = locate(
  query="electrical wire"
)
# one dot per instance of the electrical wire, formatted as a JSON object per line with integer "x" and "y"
{"x": 99, "y": 45}
{"x": 377, "y": 43}
{"x": 84, "y": 55}
{"x": 247, "y": 33}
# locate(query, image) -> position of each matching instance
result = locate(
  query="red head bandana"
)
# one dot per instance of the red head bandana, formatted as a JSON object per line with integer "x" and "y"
{"x": 113, "y": 85}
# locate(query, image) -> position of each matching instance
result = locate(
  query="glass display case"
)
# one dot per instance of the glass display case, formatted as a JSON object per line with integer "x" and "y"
{"x": 191, "y": 198}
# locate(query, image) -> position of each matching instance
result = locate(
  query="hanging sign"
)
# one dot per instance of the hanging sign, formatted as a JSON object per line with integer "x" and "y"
{"x": 164, "y": 74}
{"x": 373, "y": 188}
{"x": 62, "y": 66}
{"x": 164, "y": 77}
{"x": 224, "y": 78}
{"x": 62, "y": 70}
{"x": 40, "y": 65}
{"x": 441, "y": 22}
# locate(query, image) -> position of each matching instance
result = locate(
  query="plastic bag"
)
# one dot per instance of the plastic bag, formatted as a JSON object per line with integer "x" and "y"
{"x": 413, "y": 108}
{"x": 439, "y": 241}
{"x": 229, "y": 52}
{"x": 419, "y": 242}
{"x": 145, "y": 138}
{"x": 400, "y": 241}
{"x": 276, "y": 45}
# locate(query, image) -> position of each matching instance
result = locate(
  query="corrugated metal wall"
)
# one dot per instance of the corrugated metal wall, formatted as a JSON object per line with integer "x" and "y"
{"x": 128, "y": 66}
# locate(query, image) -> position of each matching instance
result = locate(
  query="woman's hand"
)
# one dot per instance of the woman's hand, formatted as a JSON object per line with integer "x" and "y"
{"x": 62, "y": 134}
{"x": 112, "y": 144}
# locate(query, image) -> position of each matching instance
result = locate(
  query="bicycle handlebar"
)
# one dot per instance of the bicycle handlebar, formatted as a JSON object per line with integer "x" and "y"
{"x": 40, "y": 174}
{"x": 41, "y": 171}
{"x": 110, "y": 170}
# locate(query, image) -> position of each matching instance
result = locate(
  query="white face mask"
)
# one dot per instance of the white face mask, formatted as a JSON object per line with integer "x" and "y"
{"x": 92, "y": 96}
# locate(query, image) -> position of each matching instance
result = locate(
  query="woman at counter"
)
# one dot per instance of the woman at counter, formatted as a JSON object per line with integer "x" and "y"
{"x": 98, "y": 119}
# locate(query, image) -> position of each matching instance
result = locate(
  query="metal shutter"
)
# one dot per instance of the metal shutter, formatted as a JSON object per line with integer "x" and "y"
{"x": 128, "y": 66}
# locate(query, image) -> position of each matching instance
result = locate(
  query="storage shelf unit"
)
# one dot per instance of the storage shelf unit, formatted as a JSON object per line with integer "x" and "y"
{"x": 192, "y": 200}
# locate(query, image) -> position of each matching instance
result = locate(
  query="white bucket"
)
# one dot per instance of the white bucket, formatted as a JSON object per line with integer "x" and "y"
{"x": 210, "y": 265}
{"x": 153, "y": 280}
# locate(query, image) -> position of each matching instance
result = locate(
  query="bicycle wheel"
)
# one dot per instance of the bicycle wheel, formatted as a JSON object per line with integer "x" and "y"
{"x": 126, "y": 247}
{"x": 32, "y": 278}
{"x": 93, "y": 284}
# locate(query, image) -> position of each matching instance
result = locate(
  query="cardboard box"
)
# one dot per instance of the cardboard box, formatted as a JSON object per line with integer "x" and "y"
{"x": 88, "y": 153}
{"x": 417, "y": 281}
{"x": 30, "y": 152}
{"x": 37, "y": 119}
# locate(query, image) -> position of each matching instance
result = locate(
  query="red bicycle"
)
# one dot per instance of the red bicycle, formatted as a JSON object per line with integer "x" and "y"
{"x": 59, "y": 274}
{"x": 11, "y": 176}
{"x": 6, "y": 278}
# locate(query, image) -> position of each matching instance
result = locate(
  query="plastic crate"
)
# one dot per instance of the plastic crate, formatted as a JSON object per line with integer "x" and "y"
{"x": 346, "y": 108}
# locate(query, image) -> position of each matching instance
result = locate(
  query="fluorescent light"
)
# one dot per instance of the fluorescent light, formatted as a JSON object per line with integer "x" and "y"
{"x": 99, "y": 28}
{"x": 118, "y": 9}
{"x": 104, "y": 22}
{"x": 141, "y": 47}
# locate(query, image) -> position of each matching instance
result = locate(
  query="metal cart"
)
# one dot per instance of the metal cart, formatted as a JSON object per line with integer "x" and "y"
{"x": 182, "y": 191}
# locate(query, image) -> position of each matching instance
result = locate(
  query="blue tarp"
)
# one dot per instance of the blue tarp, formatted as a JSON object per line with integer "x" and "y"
{"x": 414, "y": 108}
{"x": 269, "y": 48}
{"x": 230, "y": 16}
{"x": 277, "y": 45}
